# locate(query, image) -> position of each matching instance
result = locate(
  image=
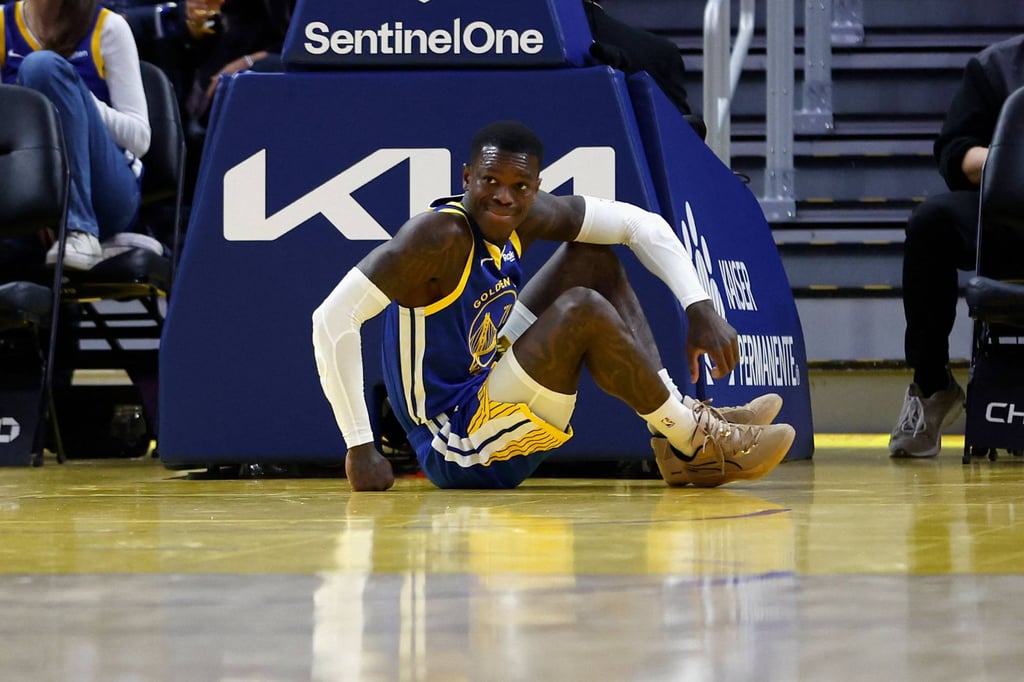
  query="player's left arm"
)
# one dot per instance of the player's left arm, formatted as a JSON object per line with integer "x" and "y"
{"x": 651, "y": 238}
{"x": 552, "y": 218}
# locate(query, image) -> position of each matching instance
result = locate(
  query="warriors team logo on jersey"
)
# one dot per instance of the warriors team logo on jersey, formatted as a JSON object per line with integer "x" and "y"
{"x": 484, "y": 344}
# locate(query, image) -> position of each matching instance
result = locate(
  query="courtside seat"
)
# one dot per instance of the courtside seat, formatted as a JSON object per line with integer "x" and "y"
{"x": 996, "y": 301}
{"x": 130, "y": 275}
{"x": 995, "y": 297}
{"x": 121, "y": 301}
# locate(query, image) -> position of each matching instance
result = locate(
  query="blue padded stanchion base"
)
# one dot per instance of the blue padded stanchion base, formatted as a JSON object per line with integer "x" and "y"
{"x": 282, "y": 212}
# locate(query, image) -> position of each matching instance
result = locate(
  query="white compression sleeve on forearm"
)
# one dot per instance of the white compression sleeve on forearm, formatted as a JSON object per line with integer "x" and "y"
{"x": 649, "y": 237}
{"x": 337, "y": 346}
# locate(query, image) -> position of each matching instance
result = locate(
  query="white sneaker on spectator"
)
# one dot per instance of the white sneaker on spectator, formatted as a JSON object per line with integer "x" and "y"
{"x": 81, "y": 251}
{"x": 126, "y": 241}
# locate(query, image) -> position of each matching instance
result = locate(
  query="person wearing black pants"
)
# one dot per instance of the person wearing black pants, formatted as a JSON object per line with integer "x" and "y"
{"x": 942, "y": 236}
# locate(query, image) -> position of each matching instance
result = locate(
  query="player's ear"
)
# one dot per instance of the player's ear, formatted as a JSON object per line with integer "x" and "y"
{"x": 465, "y": 176}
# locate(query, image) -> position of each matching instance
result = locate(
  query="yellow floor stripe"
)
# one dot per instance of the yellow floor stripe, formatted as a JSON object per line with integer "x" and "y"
{"x": 873, "y": 441}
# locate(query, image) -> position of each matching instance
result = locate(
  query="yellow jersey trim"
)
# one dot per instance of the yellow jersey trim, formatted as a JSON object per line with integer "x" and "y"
{"x": 460, "y": 287}
{"x": 19, "y": 16}
{"x": 97, "y": 58}
{"x": 516, "y": 244}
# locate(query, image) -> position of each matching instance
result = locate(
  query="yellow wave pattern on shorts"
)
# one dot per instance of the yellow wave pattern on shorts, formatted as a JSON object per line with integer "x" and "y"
{"x": 543, "y": 436}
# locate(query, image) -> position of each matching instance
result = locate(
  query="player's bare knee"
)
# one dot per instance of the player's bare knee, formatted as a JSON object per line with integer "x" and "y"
{"x": 580, "y": 305}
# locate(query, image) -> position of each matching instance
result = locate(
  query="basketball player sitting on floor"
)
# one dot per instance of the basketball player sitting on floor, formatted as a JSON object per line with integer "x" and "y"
{"x": 483, "y": 377}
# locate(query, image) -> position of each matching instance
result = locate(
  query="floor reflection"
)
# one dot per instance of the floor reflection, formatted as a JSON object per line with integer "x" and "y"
{"x": 850, "y": 567}
{"x": 423, "y": 587}
{"x": 599, "y": 528}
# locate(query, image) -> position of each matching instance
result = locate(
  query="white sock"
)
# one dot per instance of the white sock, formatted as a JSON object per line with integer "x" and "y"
{"x": 674, "y": 421}
{"x": 687, "y": 401}
{"x": 669, "y": 384}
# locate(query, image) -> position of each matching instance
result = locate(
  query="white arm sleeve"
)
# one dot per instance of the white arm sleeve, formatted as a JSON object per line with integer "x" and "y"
{"x": 128, "y": 117}
{"x": 649, "y": 237}
{"x": 337, "y": 346}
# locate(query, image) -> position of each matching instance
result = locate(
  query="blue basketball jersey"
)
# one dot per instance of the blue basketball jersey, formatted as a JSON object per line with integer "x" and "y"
{"x": 437, "y": 356}
{"x": 18, "y": 42}
{"x": 436, "y": 362}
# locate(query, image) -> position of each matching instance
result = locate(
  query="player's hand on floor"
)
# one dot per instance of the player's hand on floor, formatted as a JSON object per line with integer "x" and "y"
{"x": 367, "y": 469}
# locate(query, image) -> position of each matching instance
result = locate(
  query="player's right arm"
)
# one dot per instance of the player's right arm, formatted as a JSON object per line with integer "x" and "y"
{"x": 413, "y": 268}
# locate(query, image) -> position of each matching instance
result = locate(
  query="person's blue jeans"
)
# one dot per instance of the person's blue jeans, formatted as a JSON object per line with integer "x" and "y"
{"x": 104, "y": 193}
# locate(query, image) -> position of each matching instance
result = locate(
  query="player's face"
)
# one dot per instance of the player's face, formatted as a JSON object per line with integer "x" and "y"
{"x": 500, "y": 188}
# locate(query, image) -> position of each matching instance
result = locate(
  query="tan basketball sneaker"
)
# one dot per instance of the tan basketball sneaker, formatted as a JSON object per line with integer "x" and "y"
{"x": 761, "y": 410}
{"x": 727, "y": 452}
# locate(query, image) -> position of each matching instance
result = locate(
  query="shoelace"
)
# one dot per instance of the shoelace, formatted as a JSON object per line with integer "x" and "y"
{"x": 912, "y": 415}
{"x": 716, "y": 428}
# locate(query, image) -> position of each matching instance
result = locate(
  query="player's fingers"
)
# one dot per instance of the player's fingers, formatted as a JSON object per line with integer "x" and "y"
{"x": 726, "y": 358}
{"x": 719, "y": 366}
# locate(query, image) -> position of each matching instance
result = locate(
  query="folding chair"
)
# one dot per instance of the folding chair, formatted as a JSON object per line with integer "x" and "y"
{"x": 34, "y": 180}
{"x": 121, "y": 302}
{"x": 995, "y": 297}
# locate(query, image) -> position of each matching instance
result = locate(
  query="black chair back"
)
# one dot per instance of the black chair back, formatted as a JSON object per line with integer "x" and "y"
{"x": 33, "y": 167}
{"x": 34, "y": 182}
{"x": 1001, "y": 208}
{"x": 164, "y": 178}
{"x": 165, "y": 159}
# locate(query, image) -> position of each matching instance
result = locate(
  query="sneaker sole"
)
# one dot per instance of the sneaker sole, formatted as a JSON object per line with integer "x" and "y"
{"x": 900, "y": 453}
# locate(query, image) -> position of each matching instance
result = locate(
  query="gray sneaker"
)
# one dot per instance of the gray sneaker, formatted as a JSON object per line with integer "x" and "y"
{"x": 918, "y": 431}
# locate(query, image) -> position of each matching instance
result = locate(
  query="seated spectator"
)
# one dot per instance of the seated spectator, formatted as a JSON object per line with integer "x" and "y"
{"x": 220, "y": 38}
{"x": 84, "y": 59}
{"x": 942, "y": 236}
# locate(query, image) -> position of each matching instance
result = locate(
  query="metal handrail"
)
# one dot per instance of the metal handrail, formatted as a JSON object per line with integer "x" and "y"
{"x": 722, "y": 72}
{"x": 722, "y": 69}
